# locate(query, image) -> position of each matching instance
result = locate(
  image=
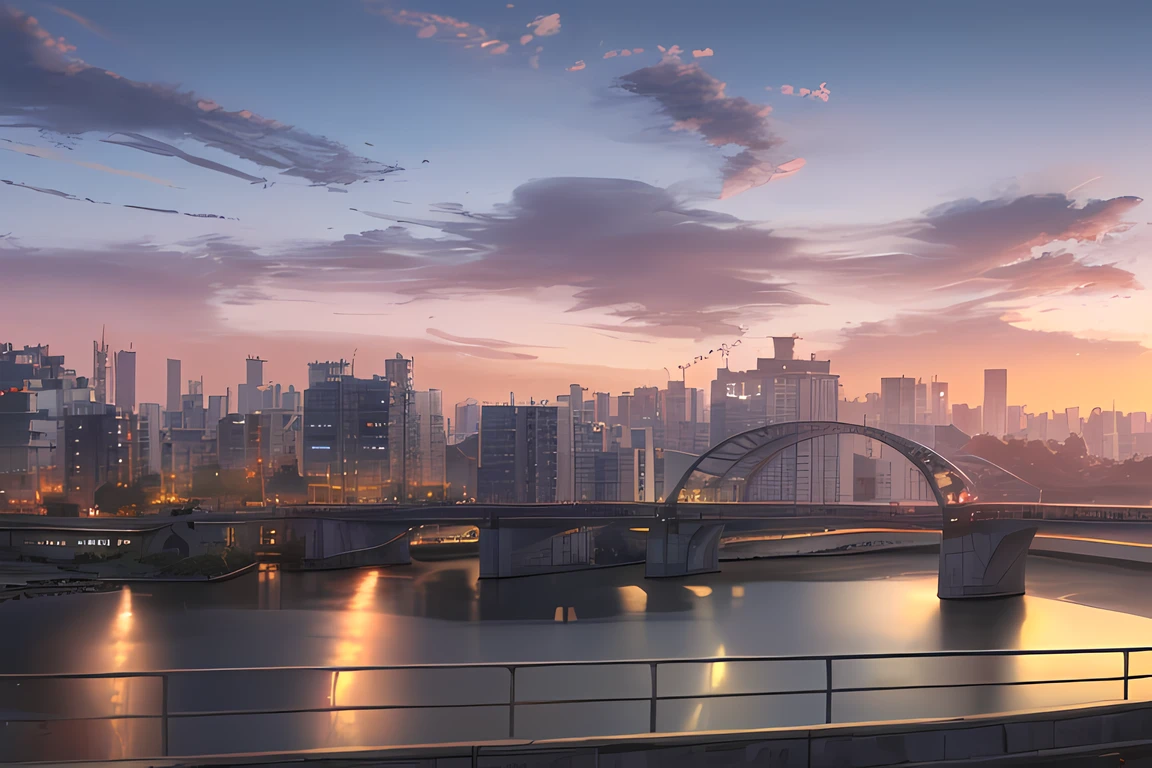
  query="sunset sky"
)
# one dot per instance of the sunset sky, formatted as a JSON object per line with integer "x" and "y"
{"x": 526, "y": 195}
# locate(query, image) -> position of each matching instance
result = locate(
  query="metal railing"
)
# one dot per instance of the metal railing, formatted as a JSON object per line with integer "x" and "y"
{"x": 829, "y": 689}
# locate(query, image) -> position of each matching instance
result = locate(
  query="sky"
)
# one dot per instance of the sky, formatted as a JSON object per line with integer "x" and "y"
{"x": 526, "y": 195}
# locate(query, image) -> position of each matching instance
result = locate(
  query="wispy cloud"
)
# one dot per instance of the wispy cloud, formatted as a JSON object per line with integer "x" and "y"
{"x": 40, "y": 86}
{"x": 697, "y": 102}
{"x": 47, "y": 153}
{"x": 701, "y": 53}
{"x": 83, "y": 21}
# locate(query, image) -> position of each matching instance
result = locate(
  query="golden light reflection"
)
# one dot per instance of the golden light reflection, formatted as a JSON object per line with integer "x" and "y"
{"x": 719, "y": 669}
{"x": 738, "y": 590}
{"x": 120, "y": 646}
{"x": 698, "y": 591}
{"x": 633, "y": 598}
{"x": 357, "y": 622}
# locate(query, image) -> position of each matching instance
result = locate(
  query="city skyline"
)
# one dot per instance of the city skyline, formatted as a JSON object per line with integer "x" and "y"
{"x": 603, "y": 222}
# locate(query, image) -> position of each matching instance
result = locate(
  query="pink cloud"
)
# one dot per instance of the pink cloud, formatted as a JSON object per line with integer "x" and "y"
{"x": 426, "y": 32}
{"x": 637, "y": 50}
{"x": 577, "y": 66}
{"x": 697, "y": 102}
{"x": 545, "y": 26}
{"x": 500, "y": 49}
{"x": 611, "y": 54}
{"x": 787, "y": 90}
{"x": 525, "y": 39}
{"x": 703, "y": 53}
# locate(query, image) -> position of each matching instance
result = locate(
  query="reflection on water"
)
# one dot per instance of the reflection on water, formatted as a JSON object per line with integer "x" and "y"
{"x": 441, "y": 612}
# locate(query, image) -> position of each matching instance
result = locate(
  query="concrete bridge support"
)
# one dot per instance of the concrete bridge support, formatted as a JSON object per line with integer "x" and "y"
{"x": 681, "y": 548}
{"x": 525, "y": 550}
{"x": 983, "y": 558}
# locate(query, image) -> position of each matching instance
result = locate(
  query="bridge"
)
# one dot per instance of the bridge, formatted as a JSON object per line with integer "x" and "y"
{"x": 982, "y": 552}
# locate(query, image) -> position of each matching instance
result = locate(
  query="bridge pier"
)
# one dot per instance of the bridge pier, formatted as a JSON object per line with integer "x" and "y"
{"x": 682, "y": 548}
{"x": 983, "y": 558}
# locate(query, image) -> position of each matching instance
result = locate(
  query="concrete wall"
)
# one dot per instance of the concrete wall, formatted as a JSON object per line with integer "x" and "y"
{"x": 1040, "y": 736}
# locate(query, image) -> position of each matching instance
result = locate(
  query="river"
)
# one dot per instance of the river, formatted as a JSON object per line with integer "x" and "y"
{"x": 442, "y": 613}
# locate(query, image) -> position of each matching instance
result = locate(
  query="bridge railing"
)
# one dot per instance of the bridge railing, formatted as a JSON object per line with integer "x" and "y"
{"x": 180, "y": 712}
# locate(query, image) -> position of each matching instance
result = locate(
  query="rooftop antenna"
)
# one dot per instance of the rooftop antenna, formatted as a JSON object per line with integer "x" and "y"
{"x": 354, "y": 361}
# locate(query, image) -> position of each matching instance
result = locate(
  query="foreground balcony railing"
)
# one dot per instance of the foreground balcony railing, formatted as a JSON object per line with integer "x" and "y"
{"x": 117, "y": 715}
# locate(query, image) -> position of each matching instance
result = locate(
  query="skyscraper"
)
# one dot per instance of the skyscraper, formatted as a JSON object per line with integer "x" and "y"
{"x": 939, "y": 397}
{"x": 346, "y": 440}
{"x": 431, "y": 441}
{"x": 403, "y": 438}
{"x": 996, "y": 401}
{"x": 100, "y": 369}
{"x": 250, "y": 395}
{"x": 897, "y": 401}
{"x": 782, "y": 389}
{"x": 467, "y": 420}
{"x": 518, "y": 447}
{"x": 172, "y": 403}
{"x": 125, "y": 378}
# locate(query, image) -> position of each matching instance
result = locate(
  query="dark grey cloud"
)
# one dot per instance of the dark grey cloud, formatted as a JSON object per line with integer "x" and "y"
{"x": 633, "y": 249}
{"x": 697, "y": 102}
{"x": 42, "y": 87}
{"x": 970, "y": 244}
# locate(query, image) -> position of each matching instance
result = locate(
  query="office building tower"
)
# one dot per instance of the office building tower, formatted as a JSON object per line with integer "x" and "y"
{"x": 193, "y": 415}
{"x": 100, "y": 369}
{"x": 996, "y": 401}
{"x": 1075, "y": 423}
{"x": 898, "y": 402}
{"x": 679, "y": 414}
{"x": 251, "y": 394}
{"x": 97, "y": 451}
{"x": 923, "y": 410}
{"x": 623, "y": 410}
{"x": 346, "y": 440}
{"x": 518, "y": 447}
{"x": 566, "y": 425}
{"x": 970, "y": 421}
{"x": 291, "y": 399}
{"x": 148, "y": 451}
{"x": 217, "y": 409}
{"x": 1037, "y": 426}
{"x": 1058, "y": 426}
{"x": 402, "y": 427}
{"x": 172, "y": 403}
{"x": 1015, "y": 421}
{"x": 467, "y": 421}
{"x": 328, "y": 370}
{"x": 782, "y": 389}
{"x": 576, "y": 401}
{"x": 431, "y": 440}
{"x": 938, "y": 394}
{"x": 125, "y": 380}
{"x": 602, "y": 412}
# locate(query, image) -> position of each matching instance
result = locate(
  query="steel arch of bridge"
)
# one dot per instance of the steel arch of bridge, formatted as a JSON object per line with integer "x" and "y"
{"x": 743, "y": 454}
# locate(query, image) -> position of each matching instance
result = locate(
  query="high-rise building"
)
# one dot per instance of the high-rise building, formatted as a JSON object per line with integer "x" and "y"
{"x": 96, "y": 451}
{"x": 938, "y": 394}
{"x": 923, "y": 409}
{"x": 403, "y": 433}
{"x": 125, "y": 380}
{"x": 346, "y": 440}
{"x": 897, "y": 401}
{"x": 1058, "y": 426}
{"x": 148, "y": 448}
{"x": 431, "y": 440}
{"x": 782, "y": 389}
{"x": 328, "y": 370}
{"x": 172, "y": 403}
{"x": 603, "y": 407}
{"x": 100, "y": 369}
{"x": 1075, "y": 423}
{"x": 217, "y": 409}
{"x": 252, "y": 395}
{"x": 996, "y": 401}
{"x": 518, "y": 447}
{"x": 970, "y": 421}
{"x": 467, "y": 420}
